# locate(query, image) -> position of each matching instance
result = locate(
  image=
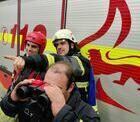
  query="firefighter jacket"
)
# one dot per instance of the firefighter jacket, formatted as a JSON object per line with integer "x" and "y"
{"x": 75, "y": 110}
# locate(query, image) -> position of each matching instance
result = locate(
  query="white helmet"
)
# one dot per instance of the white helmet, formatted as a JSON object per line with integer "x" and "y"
{"x": 64, "y": 34}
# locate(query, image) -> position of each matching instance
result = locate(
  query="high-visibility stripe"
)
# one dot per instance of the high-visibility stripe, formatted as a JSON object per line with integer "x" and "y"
{"x": 82, "y": 84}
{"x": 5, "y": 118}
{"x": 95, "y": 108}
{"x": 81, "y": 65}
{"x": 51, "y": 59}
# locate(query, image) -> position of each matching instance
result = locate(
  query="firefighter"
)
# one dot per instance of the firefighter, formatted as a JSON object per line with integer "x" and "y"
{"x": 35, "y": 43}
{"x": 66, "y": 45}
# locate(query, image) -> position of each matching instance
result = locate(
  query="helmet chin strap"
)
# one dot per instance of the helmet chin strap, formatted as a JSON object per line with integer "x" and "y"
{"x": 71, "y": 50}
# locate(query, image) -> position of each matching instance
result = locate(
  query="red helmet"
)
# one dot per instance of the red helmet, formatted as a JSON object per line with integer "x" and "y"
{"x": 37, "y": 38}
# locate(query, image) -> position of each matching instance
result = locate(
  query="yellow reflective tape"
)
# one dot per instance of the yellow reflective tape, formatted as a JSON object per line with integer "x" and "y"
{"x": 5, "y": 118}
{"x": 82, "y": 84}
{"x": 95, "y": 108}
{"x": 50, "y": 59}
{"x": 81, "y": 65}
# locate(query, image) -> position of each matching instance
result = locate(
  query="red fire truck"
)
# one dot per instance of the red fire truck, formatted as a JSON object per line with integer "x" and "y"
{"x": 108, "y": 34}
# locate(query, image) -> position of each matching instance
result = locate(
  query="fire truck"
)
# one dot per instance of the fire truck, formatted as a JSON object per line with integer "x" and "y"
{"x": 107, "y": 32}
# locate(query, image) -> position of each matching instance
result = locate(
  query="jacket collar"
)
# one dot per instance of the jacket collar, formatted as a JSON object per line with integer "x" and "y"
{"x": 74, "y": 99}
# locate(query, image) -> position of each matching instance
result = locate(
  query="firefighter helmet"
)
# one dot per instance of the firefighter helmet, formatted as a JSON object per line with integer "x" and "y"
{"x": 64, "y": 34}
{"x": 37, "y": 38}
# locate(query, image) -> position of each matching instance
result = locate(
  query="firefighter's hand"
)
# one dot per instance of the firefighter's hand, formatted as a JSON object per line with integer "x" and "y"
{"x": 56, "y": 97}
{"x": 13, "y": 94}
{"x": 18, "y": 64}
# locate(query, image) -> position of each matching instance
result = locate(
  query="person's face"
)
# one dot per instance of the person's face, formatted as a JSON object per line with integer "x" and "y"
{"x": 31, "y": 48}
{"x": 56, "y": 75}
{"x": 62, "y": 47}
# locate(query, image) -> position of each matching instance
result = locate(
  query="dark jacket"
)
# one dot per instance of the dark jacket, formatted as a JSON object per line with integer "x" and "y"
{"x": 74, "y": 111}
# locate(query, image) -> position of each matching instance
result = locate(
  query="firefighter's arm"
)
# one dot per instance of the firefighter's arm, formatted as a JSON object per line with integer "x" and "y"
{"x": 9, "y": 107}
{"x": 37, "y": 62}
{"x": 5, "y": 118}
{"x": 75, "y": 62}
{"x": 41, "y": 62}
{"x": 11, "y": 103}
